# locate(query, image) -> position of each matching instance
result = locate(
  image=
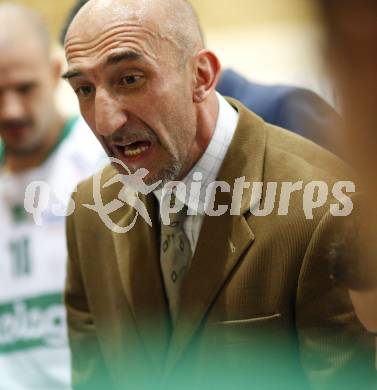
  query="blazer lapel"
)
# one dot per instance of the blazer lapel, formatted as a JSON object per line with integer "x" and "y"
{"x": 223, "y": 240}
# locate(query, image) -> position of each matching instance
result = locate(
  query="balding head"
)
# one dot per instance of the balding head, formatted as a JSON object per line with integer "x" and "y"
{"x": 28, "y": 77}
{"x": 146, "y": 85}
{"x": 175, "y": 20}
{"x": 20, "y": 24}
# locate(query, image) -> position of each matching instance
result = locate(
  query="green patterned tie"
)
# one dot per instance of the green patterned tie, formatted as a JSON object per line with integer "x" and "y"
{"x": 175, "y": 257}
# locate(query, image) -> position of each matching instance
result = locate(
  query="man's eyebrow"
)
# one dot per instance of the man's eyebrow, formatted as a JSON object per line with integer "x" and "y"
{"x": 70, "y": 74}
{"x": 113, "y": 59}
{"x": 128, "y": 55}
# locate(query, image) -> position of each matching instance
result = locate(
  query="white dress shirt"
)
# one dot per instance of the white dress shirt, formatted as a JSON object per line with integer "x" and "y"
{"x": 207, "y": 168}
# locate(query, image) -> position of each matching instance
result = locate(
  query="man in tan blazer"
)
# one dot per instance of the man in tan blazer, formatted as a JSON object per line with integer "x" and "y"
{"x": 257, "y": 307}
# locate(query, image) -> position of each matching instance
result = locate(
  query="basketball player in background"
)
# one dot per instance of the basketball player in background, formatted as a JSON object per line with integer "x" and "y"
{"x": 36, "y": 144}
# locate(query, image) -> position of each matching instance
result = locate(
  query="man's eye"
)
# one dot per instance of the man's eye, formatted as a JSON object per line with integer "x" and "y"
{"x": 131, "y": 80}
{"x": 26, "y": 88}
{"x": 84, "y": 91}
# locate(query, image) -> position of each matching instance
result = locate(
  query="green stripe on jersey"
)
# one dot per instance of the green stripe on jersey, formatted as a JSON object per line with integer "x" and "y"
{"x": 32, "y": 323}
{"x": 1, "y": 152}
{"x": 64, "y": 134}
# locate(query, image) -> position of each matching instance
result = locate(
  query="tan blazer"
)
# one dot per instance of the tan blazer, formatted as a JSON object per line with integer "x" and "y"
{"x": 258, "y": 310}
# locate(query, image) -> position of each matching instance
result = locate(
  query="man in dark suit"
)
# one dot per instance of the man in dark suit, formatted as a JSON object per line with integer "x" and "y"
{"x": 229, "y": 299}
{"x": 296, "y": 109}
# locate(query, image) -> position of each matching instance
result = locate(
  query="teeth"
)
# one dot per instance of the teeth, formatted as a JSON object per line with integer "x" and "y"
{"x": 135, "y": 152}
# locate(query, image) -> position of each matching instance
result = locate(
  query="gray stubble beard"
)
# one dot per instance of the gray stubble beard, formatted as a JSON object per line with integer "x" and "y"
{"x": 166, "y": 175}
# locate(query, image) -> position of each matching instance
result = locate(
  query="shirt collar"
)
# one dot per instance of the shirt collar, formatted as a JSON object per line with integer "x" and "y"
{"x": 205, "y": 171}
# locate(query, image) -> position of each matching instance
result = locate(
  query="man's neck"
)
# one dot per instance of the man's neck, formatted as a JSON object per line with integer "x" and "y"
{"x": 16, "y": 163}
{"x": 207, "y": 119}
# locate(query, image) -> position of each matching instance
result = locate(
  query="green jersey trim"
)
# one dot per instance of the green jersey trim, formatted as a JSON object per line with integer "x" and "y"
{"x": 64, "y": 134}
{"x": 1, "y": 153}
{"x": 37, "y": 322}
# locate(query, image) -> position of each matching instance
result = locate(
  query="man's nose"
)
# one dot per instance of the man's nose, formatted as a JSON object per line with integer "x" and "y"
{"x": 11, "y": 107}
{"x": 109, "y": 114}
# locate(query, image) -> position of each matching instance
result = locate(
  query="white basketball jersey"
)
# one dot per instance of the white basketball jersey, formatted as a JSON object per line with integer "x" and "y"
{"x": 34, "y": 351}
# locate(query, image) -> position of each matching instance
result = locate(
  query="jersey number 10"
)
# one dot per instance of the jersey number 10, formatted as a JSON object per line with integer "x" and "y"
{"x": 21, "y": 262}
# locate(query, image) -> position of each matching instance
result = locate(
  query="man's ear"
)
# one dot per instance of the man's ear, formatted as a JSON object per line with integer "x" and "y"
{"x": 208, "y": 68}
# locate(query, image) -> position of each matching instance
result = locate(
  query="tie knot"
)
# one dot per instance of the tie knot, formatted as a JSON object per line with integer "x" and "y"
{"x": 177, "y": 211}
{"x": 177, "y": 218}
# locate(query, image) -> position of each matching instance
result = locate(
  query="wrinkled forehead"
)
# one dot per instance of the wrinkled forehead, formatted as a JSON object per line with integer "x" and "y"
{"x": 100, "y": 29}
{"x": 19, "y": 70}
{"x": 21, "y": 39}
{"x": 93, "y": 21}
{"x": 25, "y": 56}
{"x": 101, "y": 22}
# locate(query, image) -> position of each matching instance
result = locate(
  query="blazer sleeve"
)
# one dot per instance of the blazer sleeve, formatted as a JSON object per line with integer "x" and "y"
{"x": 335, "y": 350}
{"x": 88, "y": 368}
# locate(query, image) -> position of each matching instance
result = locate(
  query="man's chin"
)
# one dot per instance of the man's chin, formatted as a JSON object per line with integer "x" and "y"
{"x": 164, "y": 177}
{"x": 168, "y": 175}
{"x": 22, "y": 150}
{"x": 169, "y": 172}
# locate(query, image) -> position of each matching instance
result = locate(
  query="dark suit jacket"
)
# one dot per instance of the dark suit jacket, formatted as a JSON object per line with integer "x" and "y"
{"x": 258, "y": 307}
{"x": 293, "y": 108}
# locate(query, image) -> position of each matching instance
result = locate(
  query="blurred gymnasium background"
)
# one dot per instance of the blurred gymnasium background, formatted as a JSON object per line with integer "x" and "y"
{"x": 269, "y": 41}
